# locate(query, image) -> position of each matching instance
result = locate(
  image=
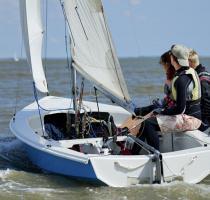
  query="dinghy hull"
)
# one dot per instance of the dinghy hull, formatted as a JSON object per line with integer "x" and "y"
{"x": 185, "y": 158}
{"x": 59, "y": 165}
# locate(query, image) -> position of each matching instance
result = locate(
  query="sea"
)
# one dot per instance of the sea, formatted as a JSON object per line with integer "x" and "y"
{"x": 21, "y": 180}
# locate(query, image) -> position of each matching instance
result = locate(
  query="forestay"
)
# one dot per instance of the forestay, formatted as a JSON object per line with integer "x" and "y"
{"x": 92, "y": 48}
{"x": 30, "y": 13}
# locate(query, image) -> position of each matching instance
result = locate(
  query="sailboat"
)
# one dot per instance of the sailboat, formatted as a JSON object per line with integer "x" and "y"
{"x": 82, "y": 139}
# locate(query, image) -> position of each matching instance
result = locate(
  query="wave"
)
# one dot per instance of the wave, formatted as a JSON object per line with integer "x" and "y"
{"x": 4, "y": 173}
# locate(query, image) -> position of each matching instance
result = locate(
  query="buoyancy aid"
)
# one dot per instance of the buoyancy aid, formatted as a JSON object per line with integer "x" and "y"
{"x": 193, "y": 90}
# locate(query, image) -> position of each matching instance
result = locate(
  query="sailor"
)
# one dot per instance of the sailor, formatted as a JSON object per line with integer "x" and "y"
{"x": 167, "y": 101}
{"x": 185, "y": 113}
{"x": 204, "y": 77}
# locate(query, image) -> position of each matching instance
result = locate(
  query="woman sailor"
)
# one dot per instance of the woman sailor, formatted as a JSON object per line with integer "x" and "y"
{"x": 169, "y": 70}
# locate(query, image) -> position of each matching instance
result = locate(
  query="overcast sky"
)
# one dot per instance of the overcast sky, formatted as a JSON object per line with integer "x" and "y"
{"x": 139, "y": 27}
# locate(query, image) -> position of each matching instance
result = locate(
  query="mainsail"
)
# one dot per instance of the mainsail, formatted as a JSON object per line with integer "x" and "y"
{"x": 30, "y": 14}
{"x": 92, "y": 49}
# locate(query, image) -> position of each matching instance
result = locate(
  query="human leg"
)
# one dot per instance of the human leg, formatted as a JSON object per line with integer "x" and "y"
{"x": 148, "y": 132}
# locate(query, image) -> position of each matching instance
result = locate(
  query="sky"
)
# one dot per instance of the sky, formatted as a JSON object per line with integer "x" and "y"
{"x": 138, "y": 27}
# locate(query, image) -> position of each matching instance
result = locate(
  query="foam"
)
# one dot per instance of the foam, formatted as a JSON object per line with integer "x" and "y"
{"x": 4, "y": 173}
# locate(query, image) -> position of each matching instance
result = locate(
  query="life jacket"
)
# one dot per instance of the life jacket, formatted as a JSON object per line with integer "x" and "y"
{"x": 193, "y": 90}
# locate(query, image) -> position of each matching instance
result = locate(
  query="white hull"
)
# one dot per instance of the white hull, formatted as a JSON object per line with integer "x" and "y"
{"x": 190, "y": 160}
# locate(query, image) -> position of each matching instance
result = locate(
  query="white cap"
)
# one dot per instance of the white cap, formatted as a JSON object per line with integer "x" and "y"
{"x": 181, "y": 53}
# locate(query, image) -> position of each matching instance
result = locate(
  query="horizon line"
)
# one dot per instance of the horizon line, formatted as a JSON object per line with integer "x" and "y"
{"x": 64, "y": 58}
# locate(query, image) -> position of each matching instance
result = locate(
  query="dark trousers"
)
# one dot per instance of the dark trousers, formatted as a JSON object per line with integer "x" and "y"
{"x": 149, "y": 132}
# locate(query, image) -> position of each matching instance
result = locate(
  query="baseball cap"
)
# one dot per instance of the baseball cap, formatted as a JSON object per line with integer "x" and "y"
{"x": 181, "y": 52}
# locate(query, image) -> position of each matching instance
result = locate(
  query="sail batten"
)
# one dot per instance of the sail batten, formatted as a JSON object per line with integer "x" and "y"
{"x": 32, "y": 31}
{"x": 92, "y": 48}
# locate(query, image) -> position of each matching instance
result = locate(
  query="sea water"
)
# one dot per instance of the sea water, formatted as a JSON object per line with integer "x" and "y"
{"x": 20, "y": 179}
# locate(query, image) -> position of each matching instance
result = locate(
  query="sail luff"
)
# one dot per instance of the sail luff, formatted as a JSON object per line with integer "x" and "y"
{"x": 93, "y": 50}
{"x": 32, "y": 31}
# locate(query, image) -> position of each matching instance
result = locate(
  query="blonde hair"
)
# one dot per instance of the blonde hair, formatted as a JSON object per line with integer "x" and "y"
{"x": 194, "y": 58}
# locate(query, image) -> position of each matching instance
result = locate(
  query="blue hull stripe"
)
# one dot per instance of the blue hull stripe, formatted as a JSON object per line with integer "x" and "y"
{"x": 60, "y": 165}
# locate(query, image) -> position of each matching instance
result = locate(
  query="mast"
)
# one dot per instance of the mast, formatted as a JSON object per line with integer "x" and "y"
{"x": 73, "y": 81}
{"x": 74, "y": 96}
{"x": 74, "y": 86}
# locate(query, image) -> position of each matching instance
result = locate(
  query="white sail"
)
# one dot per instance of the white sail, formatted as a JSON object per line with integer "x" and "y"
{"x": 30, "y": 13}
{"x": 92, "y": 48}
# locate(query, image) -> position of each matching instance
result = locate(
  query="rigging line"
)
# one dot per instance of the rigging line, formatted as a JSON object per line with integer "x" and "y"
{"x": 72, "y": 71}
{"x": 66, "y": 47}
{"x": 101, "y": 121}
{"x": 68, "y": 60}
{"x": 81, "y": 95}
{"x": 97, "y": 102}
{"x": 48, "y": 110}
{"x": 142, "y": 146}
{"x": 112, "y": 53}
{"x": 40, "y": 117}
{"x": 18, "y": 78}
{"x": 65, "y": 16}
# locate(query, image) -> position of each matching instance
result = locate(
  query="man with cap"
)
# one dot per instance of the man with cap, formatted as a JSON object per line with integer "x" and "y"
{"x": 186, "y": 93}
{"x": 204, "y": 77}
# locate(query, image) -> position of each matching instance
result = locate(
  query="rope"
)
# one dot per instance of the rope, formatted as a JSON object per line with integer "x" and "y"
{"x": 66, "y": 45}
{"x": 68, "y": 60}
{"x": 40, "y": 117}
{"x": 18, "y": 80}
{"x": 81, "y": 95}
{"x": 97, "y": 102}
{"x": 40, "y": 107}
{"x": 65, "y": 16}
{"x": 48, "y": 110}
